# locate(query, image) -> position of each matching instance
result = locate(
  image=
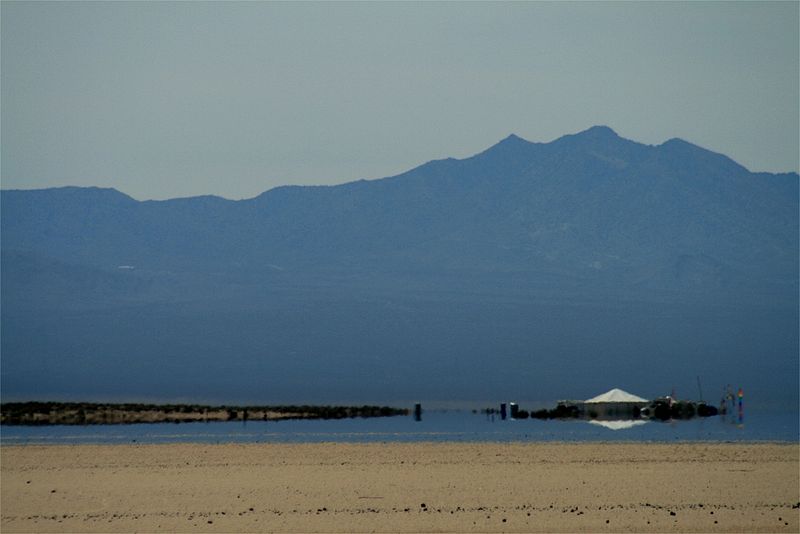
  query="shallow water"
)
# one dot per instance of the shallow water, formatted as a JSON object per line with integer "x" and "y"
{"x": 458, "y": 426}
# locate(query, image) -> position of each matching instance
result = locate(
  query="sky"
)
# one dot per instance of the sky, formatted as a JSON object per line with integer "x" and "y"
{"x": 174, "y": 99}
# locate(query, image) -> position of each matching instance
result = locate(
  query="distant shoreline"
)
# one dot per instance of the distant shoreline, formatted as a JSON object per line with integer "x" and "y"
{"x": 87, "y": 413}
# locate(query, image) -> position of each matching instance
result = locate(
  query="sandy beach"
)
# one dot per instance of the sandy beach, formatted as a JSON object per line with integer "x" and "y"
{"x": 418, "y": 487}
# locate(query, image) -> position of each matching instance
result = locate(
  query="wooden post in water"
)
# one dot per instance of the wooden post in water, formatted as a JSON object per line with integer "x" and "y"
{"x": 740, "y": 394}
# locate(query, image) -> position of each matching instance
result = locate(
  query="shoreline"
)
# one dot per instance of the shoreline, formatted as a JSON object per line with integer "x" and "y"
{"x": 37, "y": 413}
{"x": 498, "y": 442}
{"x": 402, "y": 487}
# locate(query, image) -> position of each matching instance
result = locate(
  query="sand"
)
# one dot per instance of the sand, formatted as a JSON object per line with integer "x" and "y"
{"x": 419, "y": 487}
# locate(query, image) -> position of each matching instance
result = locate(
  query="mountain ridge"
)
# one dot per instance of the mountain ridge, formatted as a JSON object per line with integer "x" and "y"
{"x": 530, "y": 199}
{"x": 523, "y": 267}
{"x": 593, "y": 133}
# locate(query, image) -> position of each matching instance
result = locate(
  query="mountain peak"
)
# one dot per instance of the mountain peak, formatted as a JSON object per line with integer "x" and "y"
{"x": 593, "y": 136}
{"x": 676, "y": 141}
{"x": 685, "y": 150}
{"x": 513, "y": 140}
{"x": 512, "y": 144}
{"x": 599, "y": 132}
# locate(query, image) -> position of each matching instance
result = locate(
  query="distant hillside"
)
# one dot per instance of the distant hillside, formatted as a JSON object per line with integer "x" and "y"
{"x": 589, "y": 252}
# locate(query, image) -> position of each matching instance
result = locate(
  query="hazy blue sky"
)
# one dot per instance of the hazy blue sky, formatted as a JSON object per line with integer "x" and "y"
{"x": 177, "y": 99}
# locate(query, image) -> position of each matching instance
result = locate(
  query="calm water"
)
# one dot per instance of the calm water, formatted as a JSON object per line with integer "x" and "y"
{"x": 435, "y": 426}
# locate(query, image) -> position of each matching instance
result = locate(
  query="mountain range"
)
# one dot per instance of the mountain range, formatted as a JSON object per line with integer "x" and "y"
{"x": 530, "y": 270}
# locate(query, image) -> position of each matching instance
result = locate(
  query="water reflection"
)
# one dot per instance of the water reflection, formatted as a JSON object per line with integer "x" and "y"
{"x": 619, "y": 424}
{"x": 456, "y": 426}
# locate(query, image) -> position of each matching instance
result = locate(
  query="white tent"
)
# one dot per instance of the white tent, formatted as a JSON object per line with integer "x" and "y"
{"x": 615, "y": 395}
